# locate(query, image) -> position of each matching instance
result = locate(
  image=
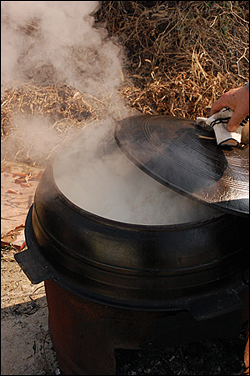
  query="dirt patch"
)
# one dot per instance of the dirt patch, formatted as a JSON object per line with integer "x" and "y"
{"x": 25, "y": 342}
{"x": 18, "y": 185}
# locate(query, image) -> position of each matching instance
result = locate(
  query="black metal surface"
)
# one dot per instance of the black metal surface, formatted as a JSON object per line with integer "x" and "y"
{"x": 31, "y": 260}
{"x": 183, "y": 328}
{"x": 139, "y": 266}
{"x": 171, "y": 150}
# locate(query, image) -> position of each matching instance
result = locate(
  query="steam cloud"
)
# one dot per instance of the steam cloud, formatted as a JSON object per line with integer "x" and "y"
{"x": 57, "y": 38}
{"x": 55, "y": 42}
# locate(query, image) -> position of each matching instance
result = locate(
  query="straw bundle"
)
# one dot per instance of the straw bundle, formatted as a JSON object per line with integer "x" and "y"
{"x": 180, "y": 57}
{"x": 64, "y": 105}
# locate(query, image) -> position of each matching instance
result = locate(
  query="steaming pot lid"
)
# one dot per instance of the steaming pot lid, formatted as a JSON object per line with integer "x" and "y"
{"x": 176, "y": 152}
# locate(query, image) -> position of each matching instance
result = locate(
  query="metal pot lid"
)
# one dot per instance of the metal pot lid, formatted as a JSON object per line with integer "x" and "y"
{"x": 186, "y": 158}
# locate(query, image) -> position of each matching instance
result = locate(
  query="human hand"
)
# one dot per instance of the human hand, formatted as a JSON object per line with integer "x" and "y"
{"x": 237, "y": 100}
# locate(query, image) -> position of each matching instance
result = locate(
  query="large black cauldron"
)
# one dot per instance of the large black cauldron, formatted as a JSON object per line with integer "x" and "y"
{"x": 196, "y": 266}
{"x": 136, "y": 266}
{"x": 111, "y": 284}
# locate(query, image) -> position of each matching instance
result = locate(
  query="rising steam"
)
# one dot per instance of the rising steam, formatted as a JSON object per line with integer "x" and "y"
{"x": 54, "y": 43}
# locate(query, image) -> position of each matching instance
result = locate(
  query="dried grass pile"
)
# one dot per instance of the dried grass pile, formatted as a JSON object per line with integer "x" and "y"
{"x": 182, "y": 55}
{"x": 65, "y": 106}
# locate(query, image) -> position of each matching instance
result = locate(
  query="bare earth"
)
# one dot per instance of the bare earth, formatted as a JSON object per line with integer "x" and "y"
{"x": 26, "y": 348}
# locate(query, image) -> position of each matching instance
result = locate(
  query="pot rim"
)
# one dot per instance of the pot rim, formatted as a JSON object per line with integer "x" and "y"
{"x": 135, "y": 226}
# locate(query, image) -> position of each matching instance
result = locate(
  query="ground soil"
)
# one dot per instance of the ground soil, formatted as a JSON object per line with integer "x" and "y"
{"x": 26, "y": 348}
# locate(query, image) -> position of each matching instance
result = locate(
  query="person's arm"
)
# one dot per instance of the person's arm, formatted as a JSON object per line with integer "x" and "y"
{"x": 238, "y": 100}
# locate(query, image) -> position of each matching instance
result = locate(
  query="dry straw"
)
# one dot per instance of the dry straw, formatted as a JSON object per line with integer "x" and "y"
{"x": 64, "y": 105}
{"x": 181, "y": 56}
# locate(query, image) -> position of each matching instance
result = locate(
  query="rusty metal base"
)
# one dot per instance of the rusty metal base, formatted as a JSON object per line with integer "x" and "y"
{"x": 85, "y": 334}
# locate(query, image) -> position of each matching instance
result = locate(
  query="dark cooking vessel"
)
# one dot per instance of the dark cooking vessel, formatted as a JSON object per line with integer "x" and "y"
{"x": 197, "y": 266}
{"x": 117, "y": 285}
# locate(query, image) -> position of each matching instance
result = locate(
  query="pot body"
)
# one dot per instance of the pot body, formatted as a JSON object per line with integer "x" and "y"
{"x": 198, "y": 266}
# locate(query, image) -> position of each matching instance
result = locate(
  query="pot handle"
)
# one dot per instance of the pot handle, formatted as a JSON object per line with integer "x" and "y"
{"x": 31, "y": 260}
{"x": 215, "y": 304}
{"x": 34, "y": 265}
